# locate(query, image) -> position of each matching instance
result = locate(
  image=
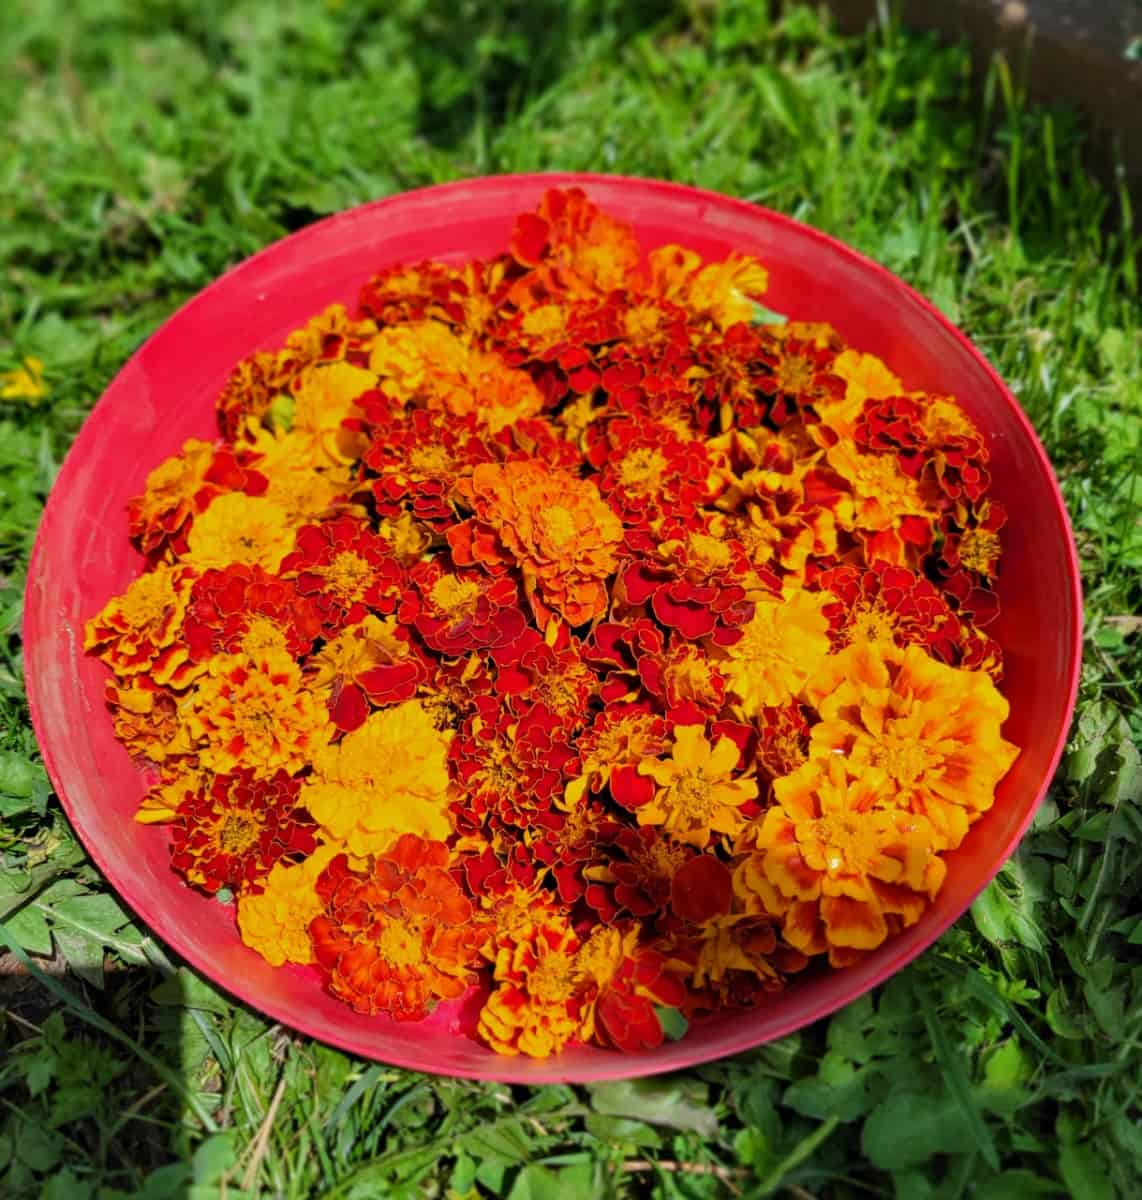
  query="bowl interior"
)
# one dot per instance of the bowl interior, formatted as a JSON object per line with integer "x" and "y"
{"x": 166, "y": 393}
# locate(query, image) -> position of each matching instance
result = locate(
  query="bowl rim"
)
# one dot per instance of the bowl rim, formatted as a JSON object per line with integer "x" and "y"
{"x": 513, "y": 1070}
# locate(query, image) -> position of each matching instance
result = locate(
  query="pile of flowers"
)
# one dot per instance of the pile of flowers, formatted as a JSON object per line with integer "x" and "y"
{"x": 557, "y": 632}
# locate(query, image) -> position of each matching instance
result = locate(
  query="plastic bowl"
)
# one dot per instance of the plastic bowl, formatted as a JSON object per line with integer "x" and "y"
{"x": 165, "y": 394}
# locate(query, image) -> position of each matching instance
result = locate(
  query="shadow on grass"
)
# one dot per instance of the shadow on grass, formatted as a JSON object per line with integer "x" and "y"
{"x": 89, "y": 1106}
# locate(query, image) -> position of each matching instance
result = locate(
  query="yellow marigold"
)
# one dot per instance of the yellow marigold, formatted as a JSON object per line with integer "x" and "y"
{"x": 780, "y": 648}
{"x": 161, "y": 803}
{"x": 252, "y": 711}
{"x": 311, "y": 341}
{"x": 275, "y": 921}
{"x": 842, "y": 870}
{"x": 722, "y": 291}
{"x": 146, "y": 719}
{"x": 323, "y": 396}
{"x": 882, "y": 493}
{"x": 420, "y": 362}
{"x": 932, "y": 729}
{"x": 26, "y": 382}
{"x": 696, "y": 795}
{"x": 141, "y": 631}
{"x": 866, "y": 378}
{"x": 535, "y": 1010}
{"x": 386, "y": 778}
{"x": 425, "y": 362}
{"x": 237, "y": 528}
{"x": 555, "y": 527}
{"x": 301, "y": 481}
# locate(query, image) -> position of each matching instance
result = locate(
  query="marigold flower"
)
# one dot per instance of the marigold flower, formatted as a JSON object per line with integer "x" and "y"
{"x": 460, "y": 611}
{"x": 346, "y": 570}
{"x": 571, "y": 248}
{"x": 140, "y": 632}
{"x": 232, "y": 832}
{"x": 251, "y": 710}
{"x": 779, "y": 649}
{"x": 388, "y": 777}
{"x": 237, "y": 528}
{"x": 841, "y": 869}
{"x": 146, "y": 719}
{"x": 225, "y": 604}
{"x": 696, "y": 795}
{"x": 933, "y": 731}
{"x": 399, "y": 936}
{"x": 274, "y": 917}
{"x": 537, "y": 1007}
{"x": 610, "y": 750}
{"x": 372, "y": 662}
{"x": 557, "y": 529}
{"x": 722, "y": 292}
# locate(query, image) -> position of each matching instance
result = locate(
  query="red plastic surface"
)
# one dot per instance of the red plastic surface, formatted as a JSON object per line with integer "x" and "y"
{"x": 166, "y": 393}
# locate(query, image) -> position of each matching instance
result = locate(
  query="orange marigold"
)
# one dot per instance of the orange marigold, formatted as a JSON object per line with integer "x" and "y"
{"x": 933, "y": 730}
{"x": 537, "y": 1007}
{"x": 251, "y": 710}
{"x": 841, "y": 869}
{"x": 554, "y": 526}
{"x": 399, "y": 936}
{"x": 141, "y": 631}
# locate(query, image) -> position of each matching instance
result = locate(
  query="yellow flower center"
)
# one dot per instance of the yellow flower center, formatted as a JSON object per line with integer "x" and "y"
{"x": 261, "y": 635}
{"x": 146, "y": 601}
{"x": 428, "y": 460}
{"x": 979, "y": 548}
{"x": 845, "y": 841}
{"x": 692, "y": 792}
{"x": 709, "y": 553}
{"x": 558, "y": 524}
{"x": 553, "y": 979}
{"x": 661, "y": 860}
{"x": 545, "y": 321}
{"x": 903, "y": 759}
{"x": 641, "y": 470}
{"x": 794, "y": 375}
{"x": 238, "y": 832}
{"x": 453, "y": 596}
{"x": 348, "y": 577}
{"x": 399, "y": 944}
{"x": 944, "y": 421}
{"x": 627, "y": 741}
{"x": 641, "y": 321}
{"x": 871, "y": 623}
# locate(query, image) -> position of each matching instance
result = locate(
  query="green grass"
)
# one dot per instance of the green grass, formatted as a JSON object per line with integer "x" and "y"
{"x": 148, "y": 147}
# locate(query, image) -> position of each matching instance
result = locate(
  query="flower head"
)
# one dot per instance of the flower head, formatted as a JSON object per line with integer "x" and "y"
{"x": 696, "y": 794}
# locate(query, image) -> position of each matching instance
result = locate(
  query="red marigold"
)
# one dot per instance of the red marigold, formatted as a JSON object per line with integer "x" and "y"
{"x": 183, "y": 486}
{"x": 399, "y": 936}
{"x": 636, "y": 874}
{"x": 419, "y": 459}
{"x": 889, "y": 602}
{"x": 346, "y": 570}
{"x": 462, "y": 610}
{"x": 230, "y": 834}
{"x": 509, "y": 769}
{"x": 697, "y": 582}
{"x": 224, "y": 604}
{"x": 648, "y": 472}
{"x": 532, "y": 671}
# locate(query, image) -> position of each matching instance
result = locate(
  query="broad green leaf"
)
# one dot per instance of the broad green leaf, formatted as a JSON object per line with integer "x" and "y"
{"x": 907, "y": 1129}
{"x": 1015, "y": 1185}
{"x": 537, "y": 1183}
{"x": 213, "y": 1158}
{"x": 677, "y": 1102}
{"x": 620, "y": 1131}
{"x": 1084, "y": 1172}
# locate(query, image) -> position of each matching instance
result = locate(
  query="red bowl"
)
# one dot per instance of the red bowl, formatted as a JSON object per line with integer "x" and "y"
{"x": 166, "y": 394}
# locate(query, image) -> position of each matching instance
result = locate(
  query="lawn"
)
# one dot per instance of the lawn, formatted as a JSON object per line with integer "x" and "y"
{"x": 146, "y": 148}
